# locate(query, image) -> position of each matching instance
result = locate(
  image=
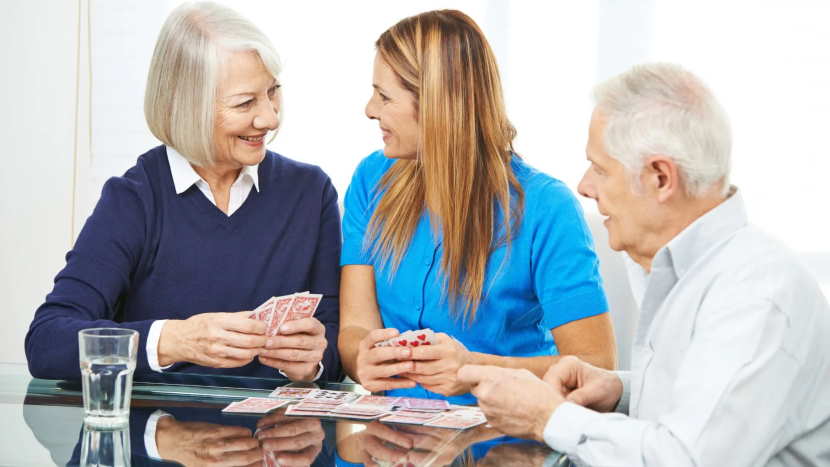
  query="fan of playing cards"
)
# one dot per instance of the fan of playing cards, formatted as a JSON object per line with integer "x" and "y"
{"x": 311, "y": 402}
{"x": 410, "y": 339}
{"x": 278, "y": 310}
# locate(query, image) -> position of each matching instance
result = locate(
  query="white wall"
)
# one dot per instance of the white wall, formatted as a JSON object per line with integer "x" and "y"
{"x": 37, "y": 126}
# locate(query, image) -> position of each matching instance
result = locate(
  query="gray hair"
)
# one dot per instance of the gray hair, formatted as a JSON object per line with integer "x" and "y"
{"x": 663, "y": 109}
{"x": 183, "y": 78}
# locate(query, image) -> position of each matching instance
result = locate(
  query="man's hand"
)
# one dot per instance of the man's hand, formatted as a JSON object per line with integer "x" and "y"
{"x": 516, "y": 402}
{"x": 436, "y": 366}
{"x": 585, "y": 384}
{"x": 218, "y": 340}
{"x": 297, "y": 350}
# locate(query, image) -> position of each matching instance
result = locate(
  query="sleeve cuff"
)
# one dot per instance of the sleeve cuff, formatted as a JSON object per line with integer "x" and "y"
{"x": 153, "y": 337}
{"x": 150, "y": 445}
{"x": 566, "y": 427}
{"x": 316, "y": 377}
{"x": 623, "y": 404}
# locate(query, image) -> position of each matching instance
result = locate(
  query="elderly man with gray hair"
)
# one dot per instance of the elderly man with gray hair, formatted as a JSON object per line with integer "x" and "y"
{"x": 731, "y": 362}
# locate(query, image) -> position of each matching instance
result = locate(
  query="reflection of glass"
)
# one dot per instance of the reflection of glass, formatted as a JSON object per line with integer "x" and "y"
{"x": 107, "y": 358}
{"x": 102, "y": 447}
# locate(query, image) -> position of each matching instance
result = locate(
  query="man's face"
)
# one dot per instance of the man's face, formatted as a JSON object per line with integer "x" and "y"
{"x": 628, "y": 213}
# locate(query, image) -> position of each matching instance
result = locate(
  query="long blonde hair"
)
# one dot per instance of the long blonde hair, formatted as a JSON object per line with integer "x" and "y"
{"x": 462, "y": 173}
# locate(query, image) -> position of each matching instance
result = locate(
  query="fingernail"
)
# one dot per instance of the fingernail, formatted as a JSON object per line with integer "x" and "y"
{"x": 268, "y": 343}
{"x": 403, "y": 352}
{"x": 282, "y": 328}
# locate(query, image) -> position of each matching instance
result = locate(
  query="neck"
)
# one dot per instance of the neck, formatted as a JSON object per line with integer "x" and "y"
{"x": 677, "y": 217}
{"x": 219, "y": 178}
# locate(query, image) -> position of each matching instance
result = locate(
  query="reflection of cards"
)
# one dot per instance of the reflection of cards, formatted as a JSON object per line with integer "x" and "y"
{"x": 294, "y": 411}
{"x": 410, "y": 418}
{"x": 254, "y": 405}
{"x": 458, "y": 420}
{"x": 410, "y": 339}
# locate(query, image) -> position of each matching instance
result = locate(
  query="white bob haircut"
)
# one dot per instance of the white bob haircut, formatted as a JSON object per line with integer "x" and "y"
{"x": 179, "y": 103}
{"x": 663, "y": 109}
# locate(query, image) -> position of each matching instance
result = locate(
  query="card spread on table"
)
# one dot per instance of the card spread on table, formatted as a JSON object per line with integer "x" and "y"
{"x": 313, "y": 402}
{"x": 277, "y": 310}
{"x": 410, "y": 339}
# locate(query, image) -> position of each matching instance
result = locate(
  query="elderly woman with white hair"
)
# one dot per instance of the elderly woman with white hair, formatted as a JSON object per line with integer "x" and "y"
{"x": 205, "y": 226}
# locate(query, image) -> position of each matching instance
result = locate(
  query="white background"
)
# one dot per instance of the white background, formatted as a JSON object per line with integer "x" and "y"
{"x": 73, "y": 76}
{"x": 74, "y": 72}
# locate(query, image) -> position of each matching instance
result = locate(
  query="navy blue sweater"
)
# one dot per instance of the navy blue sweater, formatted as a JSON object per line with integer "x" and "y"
{"x": 147, "y": 253}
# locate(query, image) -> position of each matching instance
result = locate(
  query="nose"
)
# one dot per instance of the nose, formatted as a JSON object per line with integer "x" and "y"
{"x": 371, "y": 109}
{"x": 267, "y": 117}
{"x": 586, "y": 186}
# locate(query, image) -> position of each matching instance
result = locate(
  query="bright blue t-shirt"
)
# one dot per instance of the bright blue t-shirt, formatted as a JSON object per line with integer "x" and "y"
{"x": 550, "y": 278}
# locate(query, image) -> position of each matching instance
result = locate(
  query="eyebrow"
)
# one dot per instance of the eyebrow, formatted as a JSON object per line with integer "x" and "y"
{"x": 251, "y": 93}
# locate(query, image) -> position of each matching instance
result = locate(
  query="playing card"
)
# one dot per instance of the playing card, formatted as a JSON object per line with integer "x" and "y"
{"x": 291, "y": 393}
{"x": 264, "y": 311}
{"x": 415, "y": 403}
{"x": 282, "y": 305}
{"x": 325, "y": 395}
{"x": 254, "y": 405}
{"x": 378, "y": 402}
{"x": 303, "y": 306}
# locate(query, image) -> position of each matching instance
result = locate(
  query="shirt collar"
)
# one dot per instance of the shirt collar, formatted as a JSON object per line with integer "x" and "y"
{"x": 184, "y": 176}
{"x": 704, "y": 234}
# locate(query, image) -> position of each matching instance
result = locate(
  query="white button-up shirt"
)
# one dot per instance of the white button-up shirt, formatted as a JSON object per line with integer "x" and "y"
{"x": 731, "y": 362}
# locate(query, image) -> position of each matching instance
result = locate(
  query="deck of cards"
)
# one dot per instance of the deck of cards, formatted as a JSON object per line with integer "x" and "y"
{"x": 277, "y": 310}
{"x": 410, "y": 339}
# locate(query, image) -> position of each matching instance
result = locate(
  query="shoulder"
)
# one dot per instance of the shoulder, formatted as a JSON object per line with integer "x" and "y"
{"x": 141, "y": 181}
{"x": 278, "y": 167}
{"x": 544, "y": 195}
{"x": 756, "y": 266}
{"x": 372, "y": 167}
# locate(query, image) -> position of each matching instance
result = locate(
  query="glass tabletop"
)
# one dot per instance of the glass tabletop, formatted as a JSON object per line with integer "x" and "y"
{"x": 176, "y": 419}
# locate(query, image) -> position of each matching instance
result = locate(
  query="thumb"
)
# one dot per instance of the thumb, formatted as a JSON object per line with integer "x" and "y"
{"x": 582, "y": 396}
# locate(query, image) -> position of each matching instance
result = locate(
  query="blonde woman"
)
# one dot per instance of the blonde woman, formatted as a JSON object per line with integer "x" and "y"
{"x": 204, "y": 226}
{"x": 447, "y": 228}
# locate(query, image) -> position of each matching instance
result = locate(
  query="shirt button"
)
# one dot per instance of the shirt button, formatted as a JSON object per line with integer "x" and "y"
{"x": 418, "y": 307}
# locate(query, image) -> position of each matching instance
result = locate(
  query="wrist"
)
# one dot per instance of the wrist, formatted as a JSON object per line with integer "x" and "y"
{"x": 167, "y": 354}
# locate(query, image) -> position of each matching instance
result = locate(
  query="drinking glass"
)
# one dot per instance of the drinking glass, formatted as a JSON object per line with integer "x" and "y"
{"x": 107, "y": 357}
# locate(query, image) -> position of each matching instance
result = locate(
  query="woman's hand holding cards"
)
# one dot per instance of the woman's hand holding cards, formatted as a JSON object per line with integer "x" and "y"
{"x": 436, "y": 365}
{"x": 377, "y": 366}
{"x": 297, "y": 349}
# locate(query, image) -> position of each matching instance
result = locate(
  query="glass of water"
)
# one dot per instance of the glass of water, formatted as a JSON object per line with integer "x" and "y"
{"x": 107, "y": 363}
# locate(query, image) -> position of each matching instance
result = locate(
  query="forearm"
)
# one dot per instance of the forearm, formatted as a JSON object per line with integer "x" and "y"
{"x": 536, "y": 365}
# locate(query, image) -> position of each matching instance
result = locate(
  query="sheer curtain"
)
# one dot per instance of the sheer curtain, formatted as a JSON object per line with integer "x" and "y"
{"x": 767, "y": 61}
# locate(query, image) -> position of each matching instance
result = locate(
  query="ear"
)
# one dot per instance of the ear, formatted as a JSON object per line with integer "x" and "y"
{"x": 662, "y": 177}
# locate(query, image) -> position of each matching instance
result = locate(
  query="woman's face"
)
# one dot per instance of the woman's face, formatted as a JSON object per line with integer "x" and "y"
{"x": 247, "y": 107}
{"x": 394, "y": 108}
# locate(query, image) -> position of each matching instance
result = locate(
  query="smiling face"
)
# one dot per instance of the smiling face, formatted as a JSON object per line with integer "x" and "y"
{"x": 247, "y": 107}
{"x": 394, "y": 107}
{"x": 630, "y": 215}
